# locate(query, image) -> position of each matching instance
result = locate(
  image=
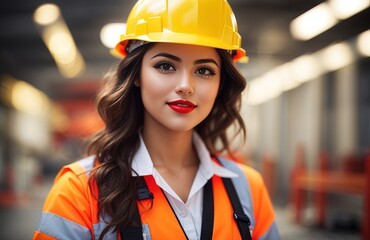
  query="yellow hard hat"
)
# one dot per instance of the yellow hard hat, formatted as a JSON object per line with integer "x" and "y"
{"x": 208, "y": 23}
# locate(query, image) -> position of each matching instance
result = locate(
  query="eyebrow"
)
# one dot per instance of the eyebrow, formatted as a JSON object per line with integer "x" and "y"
{"x": 177, "y": 59}
{"x": 206, "y": 60}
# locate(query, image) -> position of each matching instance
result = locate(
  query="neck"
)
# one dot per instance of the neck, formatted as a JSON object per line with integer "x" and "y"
{"x": 169, "y": 148}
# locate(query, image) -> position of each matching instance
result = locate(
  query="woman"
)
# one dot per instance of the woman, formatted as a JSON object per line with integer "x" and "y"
{"x": 153, "y": 171}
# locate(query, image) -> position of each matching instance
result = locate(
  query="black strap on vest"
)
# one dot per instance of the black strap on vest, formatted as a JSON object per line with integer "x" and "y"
{"x": 135, "y": 231}
{"x": 208, "y": 212}
{"x": 240, "y": 217}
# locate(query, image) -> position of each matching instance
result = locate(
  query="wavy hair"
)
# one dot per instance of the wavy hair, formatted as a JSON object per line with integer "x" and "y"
{"x": 120, "y": 107}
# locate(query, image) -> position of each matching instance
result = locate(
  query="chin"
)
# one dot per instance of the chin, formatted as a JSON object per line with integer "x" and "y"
{"x": 181, "y": 128}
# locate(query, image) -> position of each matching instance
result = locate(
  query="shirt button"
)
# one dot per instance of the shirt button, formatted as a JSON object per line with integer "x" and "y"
{"x": 183, "y": 213}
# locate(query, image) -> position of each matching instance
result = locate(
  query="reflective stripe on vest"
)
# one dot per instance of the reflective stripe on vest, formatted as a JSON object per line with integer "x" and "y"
{"x": 61, "y": 228}
{"x": 272, "y": 233}
{"x": 242, "y": 188}
{"x": 87, "y": 164}
{"x": 99, "y": 227}
{"x": 244, "y": 191}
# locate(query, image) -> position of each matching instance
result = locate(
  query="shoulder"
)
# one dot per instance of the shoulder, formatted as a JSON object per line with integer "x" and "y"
{"x": 75, "y": 175}
{"x": 70, "y": 204}
{"x": 83, "y": 166}
{"x": 71, "y": 184}
{"x": 253, "y": 177}
{"x": 79, "y": 170}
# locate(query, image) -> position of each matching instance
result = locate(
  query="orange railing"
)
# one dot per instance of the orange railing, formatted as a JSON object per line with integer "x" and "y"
{"x": 322, "y": 181}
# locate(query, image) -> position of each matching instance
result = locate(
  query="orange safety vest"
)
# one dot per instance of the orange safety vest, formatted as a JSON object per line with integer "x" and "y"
{"x": 167, "y": 227}
{"x": 70, "y": 210}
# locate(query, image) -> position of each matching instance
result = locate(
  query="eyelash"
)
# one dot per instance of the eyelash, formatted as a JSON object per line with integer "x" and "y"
{"x": 211, "y": 73}
{"x": 161, "y": 64}
{"x": 160, "y": 67}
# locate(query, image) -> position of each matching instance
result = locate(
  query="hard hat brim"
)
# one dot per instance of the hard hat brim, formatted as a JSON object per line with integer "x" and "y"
{"x": 180, "y": 39}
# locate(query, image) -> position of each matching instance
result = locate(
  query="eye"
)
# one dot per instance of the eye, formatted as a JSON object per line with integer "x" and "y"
{"x": 206, "y": 71}
{"x": 164, "y": 66}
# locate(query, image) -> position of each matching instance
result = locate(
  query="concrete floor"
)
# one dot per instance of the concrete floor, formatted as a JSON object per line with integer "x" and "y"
{"x": 291, "y": 231}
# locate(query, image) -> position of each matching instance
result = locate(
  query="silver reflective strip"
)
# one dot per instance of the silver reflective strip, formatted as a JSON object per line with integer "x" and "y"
{"x": 61, "y": 228}
{"x": 271, "y": 234}
{"x": 242, "y": 188}
{"x": 87, "y": 163}
{"x": 146, "y": 232}
{"x": 98, "y": 228}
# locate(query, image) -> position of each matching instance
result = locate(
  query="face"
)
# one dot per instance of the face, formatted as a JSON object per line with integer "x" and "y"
{"x": 179, "y": 85}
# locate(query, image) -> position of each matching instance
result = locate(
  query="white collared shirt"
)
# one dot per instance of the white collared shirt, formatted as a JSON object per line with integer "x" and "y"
{"x": 190, "y": 212}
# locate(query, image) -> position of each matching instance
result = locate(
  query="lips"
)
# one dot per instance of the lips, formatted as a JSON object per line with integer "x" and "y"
{"x": 182, "y": 106}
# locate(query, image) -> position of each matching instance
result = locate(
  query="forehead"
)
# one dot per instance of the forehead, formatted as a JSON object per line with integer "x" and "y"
{"x": 184, "y": 51}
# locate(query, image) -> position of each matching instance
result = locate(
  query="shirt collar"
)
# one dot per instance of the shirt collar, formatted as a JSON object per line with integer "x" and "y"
{"x": 142, "y": 164}
{"x": 207, "y": 165}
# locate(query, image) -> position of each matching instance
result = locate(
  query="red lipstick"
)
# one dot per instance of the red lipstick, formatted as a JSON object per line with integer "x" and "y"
{"x": 182, "y": 106}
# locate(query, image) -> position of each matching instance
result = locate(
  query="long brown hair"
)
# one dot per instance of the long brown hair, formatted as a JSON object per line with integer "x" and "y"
{"x": 119, "y": 105}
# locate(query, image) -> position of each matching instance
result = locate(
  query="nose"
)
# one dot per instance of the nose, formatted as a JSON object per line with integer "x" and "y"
{"x": 185, "y": 84}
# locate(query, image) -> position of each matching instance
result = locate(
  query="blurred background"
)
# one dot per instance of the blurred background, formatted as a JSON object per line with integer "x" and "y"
{"x": 307, "y": 108}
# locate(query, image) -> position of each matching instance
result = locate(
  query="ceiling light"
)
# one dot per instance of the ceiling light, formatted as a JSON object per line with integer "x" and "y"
{"x": 343, "y": 9}
{"x": 362, "y": 43}
{"x": 285, "y": 76}
{"x": 324, "y": 16}
{"x": 336, "y": 56}
{"x": 264, "y": 88}
{"x": 59, "y": 40}
{"x": 24, "y": 97}
{"x": 305, "y": 68}
{"x": 313, "y": 22}
{"x": 46, "y": 14}
{"x": 110, "y": 34}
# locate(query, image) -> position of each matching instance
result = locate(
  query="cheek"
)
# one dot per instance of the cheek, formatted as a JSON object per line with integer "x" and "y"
{"x": 208, "y": 92}
{"x": 152, "y": 85}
